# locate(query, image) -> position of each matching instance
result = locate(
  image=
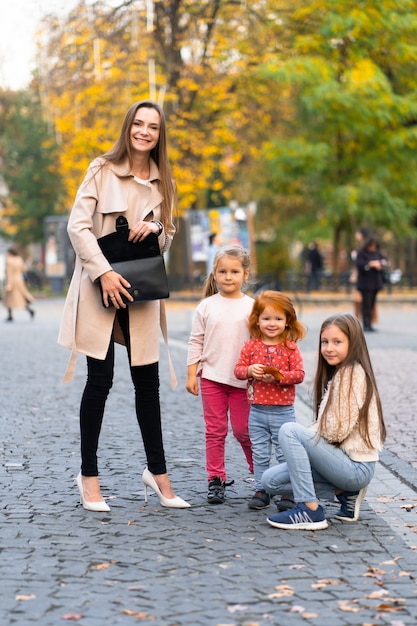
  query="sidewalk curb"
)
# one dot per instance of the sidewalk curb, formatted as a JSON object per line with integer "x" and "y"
{"x": 402, "y": 470}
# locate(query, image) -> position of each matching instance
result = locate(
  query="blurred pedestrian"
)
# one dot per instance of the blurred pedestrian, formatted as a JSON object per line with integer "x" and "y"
{"x": 215, "y": 242}
{"x": 361, "y": 235}
{"x": 219, "y": 329}
{"x": 16, "y": 294}
{"x": 314, "y": 266}
{"x": 371, "y": 264}
{"x": 132, "y": 179}
{"x": 272, "y": 364}
{"x": 337, "y": 454}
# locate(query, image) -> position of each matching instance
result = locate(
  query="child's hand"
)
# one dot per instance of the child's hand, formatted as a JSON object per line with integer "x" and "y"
{"x": 256, "y": 371}
{"x": 191, "y": 385}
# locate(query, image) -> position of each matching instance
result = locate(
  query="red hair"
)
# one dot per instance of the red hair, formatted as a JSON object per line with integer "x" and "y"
{"x": 294, "y": 329}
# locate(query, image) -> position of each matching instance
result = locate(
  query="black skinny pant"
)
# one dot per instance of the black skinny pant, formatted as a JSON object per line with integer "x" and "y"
{"x": 99, "y": 382}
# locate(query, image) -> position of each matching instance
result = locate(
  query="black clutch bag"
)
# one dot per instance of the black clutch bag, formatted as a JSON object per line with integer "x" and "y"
{"x": 140, "y": 263}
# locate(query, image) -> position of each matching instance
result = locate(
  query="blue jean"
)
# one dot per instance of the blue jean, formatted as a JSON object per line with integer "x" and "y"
{"x": 264, "y": 425}
{"x": 314, "y": 467}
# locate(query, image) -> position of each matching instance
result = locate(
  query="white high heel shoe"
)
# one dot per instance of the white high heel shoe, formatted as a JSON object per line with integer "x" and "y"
{"x": 149, "y": 481}
{"x": 100, "y": 506}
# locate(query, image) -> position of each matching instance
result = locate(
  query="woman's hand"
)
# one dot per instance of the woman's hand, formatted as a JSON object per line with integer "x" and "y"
{"x": 114, "y": 286}
{"x": 141, "y": 230}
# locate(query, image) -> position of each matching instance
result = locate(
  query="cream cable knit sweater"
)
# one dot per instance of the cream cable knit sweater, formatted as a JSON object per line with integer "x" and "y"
{"x": 342, "y": 416}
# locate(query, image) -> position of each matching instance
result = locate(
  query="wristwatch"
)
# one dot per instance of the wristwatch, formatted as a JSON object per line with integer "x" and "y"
{"x": 160, "y": 226}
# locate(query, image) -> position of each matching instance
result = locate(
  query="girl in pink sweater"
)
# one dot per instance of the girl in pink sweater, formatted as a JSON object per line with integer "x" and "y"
{"x": 219, "y": 329}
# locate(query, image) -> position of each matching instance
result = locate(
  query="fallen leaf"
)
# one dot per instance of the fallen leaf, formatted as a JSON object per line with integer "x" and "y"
{"x": 72, "y": 616}
{"x": 283, "y": 591}
{"x": 297, "y": 609}
{"x": 392, "y": 561}
{"x": 378, "y": 594}
{"x": 408, "y": 507}
{"x": 411, "y": 527}
{"x": 388, "y": 608}
{"x": 234, "y": 608}
{"x": 344, "y": 605}
{"x": 100, "y": 566}
{"x": 22, "y": 598}
{"x": 296, "y": 566}
{"x": 375, "y": 572}
{"x": 138, "y": 615}
{"x": 323, "y": 583}
{"x": 309, "y": 615}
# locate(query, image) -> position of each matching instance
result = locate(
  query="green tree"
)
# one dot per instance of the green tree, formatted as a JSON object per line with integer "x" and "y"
{"x": 350, "y": 142}
{"x": 30, "y": 168}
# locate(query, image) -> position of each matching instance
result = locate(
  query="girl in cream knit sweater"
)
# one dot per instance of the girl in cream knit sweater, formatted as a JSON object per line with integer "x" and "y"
{"x": 337, "y": 454}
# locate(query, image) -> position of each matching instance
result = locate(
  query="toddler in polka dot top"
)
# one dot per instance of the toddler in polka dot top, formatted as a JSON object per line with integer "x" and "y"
{"x": 272, "y": 363}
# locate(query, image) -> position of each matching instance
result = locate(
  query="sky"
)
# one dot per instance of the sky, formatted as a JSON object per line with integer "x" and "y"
{"x": 19, "y": 20}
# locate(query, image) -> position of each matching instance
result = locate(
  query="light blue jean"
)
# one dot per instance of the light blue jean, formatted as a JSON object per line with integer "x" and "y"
{"x": 264, "y": 425}
{"x": 313, "y": 467}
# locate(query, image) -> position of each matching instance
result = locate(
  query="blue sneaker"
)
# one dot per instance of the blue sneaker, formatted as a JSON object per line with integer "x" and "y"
{"x": 299, "y": 517}
{"x": 350, "y": 502}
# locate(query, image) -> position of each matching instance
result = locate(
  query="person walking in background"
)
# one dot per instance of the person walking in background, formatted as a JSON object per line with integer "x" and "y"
{"x": 215, "y": 242}
{"x": 272, "y": 363}
{"x": 16, "y": 294}
{"x": 133, "y": 179}
{"x": 337, "y": 454}
{"x": 370, "y": 264}
{"x": 361, "y": 235}
{"x": 219, "y": 329}
{"x": 314, "y": 266}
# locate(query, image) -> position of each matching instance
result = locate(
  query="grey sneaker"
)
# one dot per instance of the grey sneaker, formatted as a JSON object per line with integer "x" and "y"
{"x": 284, "y": 504}
{"x": 260, "y": 500}
{"x": 350, "y": 502}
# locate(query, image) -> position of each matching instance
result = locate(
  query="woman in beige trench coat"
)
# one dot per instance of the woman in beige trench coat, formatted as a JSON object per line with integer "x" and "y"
{"x": 133, "y": 179}
{"x": 16, "y": 294}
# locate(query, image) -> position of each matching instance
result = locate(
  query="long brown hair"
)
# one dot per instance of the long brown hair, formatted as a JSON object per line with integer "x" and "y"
{"x": 357, "y": 353}
{"x": 123, "y": 148}
{"x": 294, "y": 329}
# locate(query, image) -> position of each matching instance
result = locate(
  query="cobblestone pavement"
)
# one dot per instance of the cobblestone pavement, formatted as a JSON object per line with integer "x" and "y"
{"x": 208, "y": 565}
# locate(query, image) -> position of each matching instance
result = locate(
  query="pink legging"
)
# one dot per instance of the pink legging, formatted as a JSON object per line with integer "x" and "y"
{"x": 219, "y": 400}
